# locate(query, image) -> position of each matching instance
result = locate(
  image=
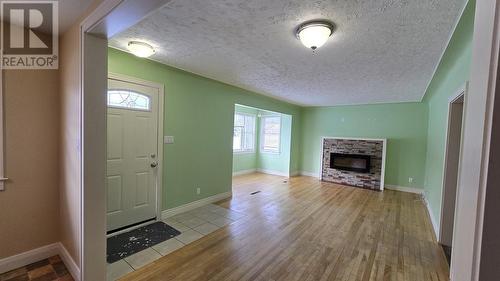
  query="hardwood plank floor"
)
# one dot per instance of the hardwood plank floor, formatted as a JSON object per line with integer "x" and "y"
{"x": 304, "y": 229}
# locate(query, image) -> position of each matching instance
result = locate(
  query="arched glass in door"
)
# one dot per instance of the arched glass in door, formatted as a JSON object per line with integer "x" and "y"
{"x": 128, "y": 99}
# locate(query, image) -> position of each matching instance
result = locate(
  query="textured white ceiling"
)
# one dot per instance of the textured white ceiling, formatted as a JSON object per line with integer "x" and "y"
{"x": 381, "y": 51}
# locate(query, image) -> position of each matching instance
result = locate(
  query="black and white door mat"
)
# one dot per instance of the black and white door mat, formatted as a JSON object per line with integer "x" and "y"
{"x": 128, "y": 243}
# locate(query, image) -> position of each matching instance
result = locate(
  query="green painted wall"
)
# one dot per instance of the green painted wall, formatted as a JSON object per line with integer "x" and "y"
{"x": 403, "y": 124}
{"x": 199, "y": 113}
{"x": 245, "y": 160}
{"x": 452, "y": 73}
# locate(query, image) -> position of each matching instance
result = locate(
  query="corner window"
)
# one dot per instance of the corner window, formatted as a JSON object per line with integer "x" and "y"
{"x": 244, "y": 133}
{"x": 271, "y": 134}
{"x": 128, "y": 99}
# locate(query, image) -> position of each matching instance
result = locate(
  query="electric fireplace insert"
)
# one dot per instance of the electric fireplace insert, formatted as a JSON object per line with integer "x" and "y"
{"x": 350, "y": 162}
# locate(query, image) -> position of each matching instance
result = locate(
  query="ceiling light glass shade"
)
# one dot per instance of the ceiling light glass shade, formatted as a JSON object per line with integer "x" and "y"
{"x": 140, "y": 49}
{"x": 314, "y": 34}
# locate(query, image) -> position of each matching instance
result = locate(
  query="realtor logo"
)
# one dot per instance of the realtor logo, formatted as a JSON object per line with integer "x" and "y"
{"x": 29, "y": 34}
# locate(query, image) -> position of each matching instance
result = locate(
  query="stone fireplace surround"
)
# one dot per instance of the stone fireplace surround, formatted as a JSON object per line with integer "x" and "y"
{"x": 375, "y": 148}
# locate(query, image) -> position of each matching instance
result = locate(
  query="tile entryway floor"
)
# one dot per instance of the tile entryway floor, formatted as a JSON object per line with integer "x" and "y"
{"x": 193, "y": 225}
{"x": 51, "y": 269}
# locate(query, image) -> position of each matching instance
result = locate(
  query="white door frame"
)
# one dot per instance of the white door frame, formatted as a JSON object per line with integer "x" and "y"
{"x": 159, "y": 149}
{"x": 461, "y": 92}
{"x": 468, "y": 229}
{"x": 108, "y": 19}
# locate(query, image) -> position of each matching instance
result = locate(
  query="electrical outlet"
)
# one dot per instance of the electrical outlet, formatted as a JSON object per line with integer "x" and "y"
{"x": 198, "y": 191}
{"x": 410, "y": 179}
{"x": 168, "y": 139}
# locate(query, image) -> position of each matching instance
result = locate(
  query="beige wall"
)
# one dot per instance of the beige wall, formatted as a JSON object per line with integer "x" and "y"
{"x": 29, "y": 208}
{"x": 41, "y": 204}
{"x": 70, "y": 139}
{"x": 70, "y": 177}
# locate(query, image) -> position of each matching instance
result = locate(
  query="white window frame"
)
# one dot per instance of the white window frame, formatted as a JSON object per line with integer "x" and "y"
{"x": 252, "y": 150}
{"x": 262, "y": 149}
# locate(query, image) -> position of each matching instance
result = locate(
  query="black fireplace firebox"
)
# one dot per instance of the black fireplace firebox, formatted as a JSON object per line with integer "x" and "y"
{"x": 350, "y": 162}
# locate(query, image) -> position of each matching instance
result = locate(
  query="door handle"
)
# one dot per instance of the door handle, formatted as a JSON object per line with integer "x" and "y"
{"x": 154, "y": 164}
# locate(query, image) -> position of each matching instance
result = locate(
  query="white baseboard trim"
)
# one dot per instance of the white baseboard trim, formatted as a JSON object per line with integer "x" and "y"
{"x": 273, "y": 172}
{"x": 72, "y": 267}
{"x": 244, "y": 172}
{"x": 38, "y": 254}
{"x": 435, "y": 225}
{"x": 404, "y": 188}
{"x": 195, "y": 204}
{"x": 309, "y": 174}
{"x": 31, "y": 256}
{"x": 266, "y": 171}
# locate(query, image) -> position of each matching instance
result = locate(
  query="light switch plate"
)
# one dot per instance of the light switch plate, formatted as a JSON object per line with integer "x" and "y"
{"x": 168, "y": 139}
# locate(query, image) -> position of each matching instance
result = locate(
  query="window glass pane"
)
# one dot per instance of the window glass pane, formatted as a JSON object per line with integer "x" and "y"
{"x": 128, "y": 99}
{"x": 271, "y": 133}
{"x": 249, "y": 141}
{"x": 271, "y": 142}
{"x": 249, "y": 132}
{"x": 239, "y": 120}
{"x": 249, "y": 124}
{"x": 244, "y": 136}
{"x": 237, "y": 138}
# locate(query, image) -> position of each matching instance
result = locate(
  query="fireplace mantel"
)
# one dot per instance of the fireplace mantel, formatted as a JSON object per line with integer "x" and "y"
{"x": 374, "y": 151}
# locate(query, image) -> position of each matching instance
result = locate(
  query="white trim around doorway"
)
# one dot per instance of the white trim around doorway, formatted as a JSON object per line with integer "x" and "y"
{"x": 461, "y": 92}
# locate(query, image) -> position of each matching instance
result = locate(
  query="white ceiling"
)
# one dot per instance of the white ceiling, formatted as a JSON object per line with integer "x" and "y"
{"x": 382, "y": 50}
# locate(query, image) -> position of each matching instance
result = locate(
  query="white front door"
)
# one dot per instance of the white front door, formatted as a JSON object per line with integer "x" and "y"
{"x": 132, "y": 141}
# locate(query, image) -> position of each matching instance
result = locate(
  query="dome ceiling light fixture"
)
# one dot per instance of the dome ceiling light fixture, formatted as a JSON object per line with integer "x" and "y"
{"x": 140, "y": 49}
{"x": 314, "y": 34}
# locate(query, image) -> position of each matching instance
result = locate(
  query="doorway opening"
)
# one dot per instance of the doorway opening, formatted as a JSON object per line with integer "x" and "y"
{"x": 261, "y": 142}
{"x": 451, "y": 170}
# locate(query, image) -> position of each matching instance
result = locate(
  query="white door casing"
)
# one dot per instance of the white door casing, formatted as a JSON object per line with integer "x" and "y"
{"x": 132, "y": 158}
{"x": 451, "y": 166}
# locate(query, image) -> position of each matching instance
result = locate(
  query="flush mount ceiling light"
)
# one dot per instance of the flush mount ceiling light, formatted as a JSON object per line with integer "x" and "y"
{"x": 140, "y": 49}
{"x": 314, "y": 34}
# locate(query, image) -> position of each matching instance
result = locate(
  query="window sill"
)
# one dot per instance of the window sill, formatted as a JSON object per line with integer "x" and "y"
{"x": 244, "y": 152}
{"x": 270, "y": 152}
